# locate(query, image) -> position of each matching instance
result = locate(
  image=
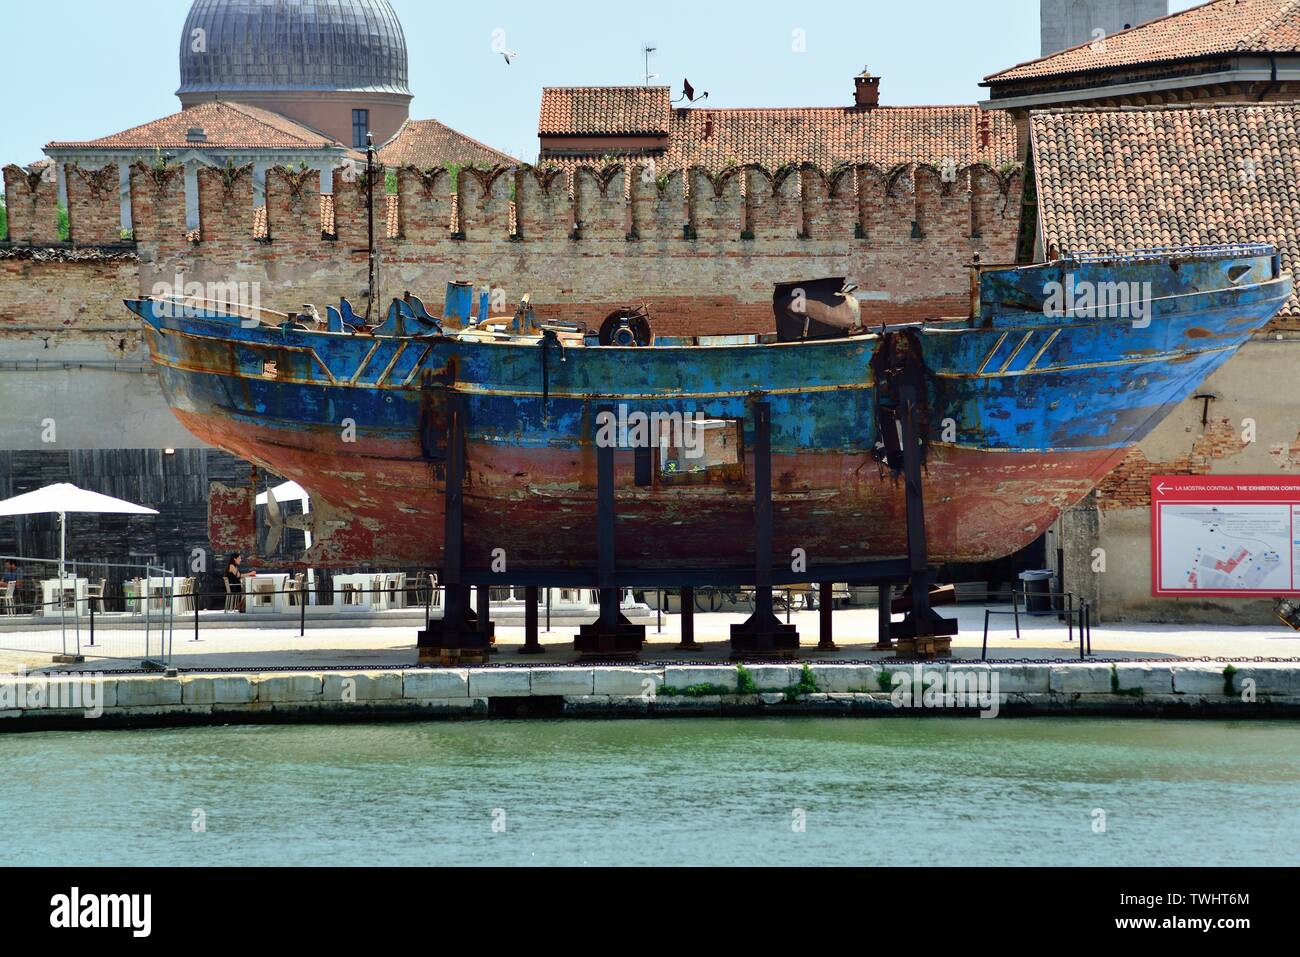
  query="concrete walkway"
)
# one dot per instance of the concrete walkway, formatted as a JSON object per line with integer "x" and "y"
{"x": 1042, "y": 638}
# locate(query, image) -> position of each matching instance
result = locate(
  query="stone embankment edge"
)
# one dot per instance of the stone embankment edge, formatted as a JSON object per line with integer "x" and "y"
{"x": 1185, "y": 690}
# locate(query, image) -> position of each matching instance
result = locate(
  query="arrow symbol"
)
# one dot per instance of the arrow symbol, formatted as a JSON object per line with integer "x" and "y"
{"x": 1162, "y": 488}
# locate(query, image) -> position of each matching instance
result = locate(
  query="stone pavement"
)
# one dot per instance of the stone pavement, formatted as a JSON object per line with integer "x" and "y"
{"x": 1042, "y": 639}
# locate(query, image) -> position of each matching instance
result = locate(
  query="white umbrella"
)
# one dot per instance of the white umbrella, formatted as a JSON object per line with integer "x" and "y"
{"x": 62, "y": 499}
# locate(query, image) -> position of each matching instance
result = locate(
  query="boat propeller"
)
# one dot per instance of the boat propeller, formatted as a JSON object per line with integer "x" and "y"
{"x": 277, "y": 522}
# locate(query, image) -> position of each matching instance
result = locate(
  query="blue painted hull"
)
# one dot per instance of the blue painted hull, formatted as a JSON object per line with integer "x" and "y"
{"x": 1028, "y": 409}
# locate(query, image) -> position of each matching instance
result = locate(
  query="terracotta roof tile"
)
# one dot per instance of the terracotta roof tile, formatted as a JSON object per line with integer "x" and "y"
{"x": 1131, "y": 179}
{"x": 885, "y": 136}
{"x": 226, "y": 125}
{"x": 604, "y": 110}
{"x": 1216, "y": 28}
{"x": 427, "y": 144}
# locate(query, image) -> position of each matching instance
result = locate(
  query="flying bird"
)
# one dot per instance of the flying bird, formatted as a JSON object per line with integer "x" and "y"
{"x": 510, "y": 56}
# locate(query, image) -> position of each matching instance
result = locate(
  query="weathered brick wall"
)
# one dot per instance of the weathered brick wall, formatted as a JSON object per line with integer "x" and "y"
{"x": 1129, "y": 485}
{"x": 32, "y": 204}
{"x": 702, "y": 251}
{"x": 94, "y": 206}
{"x": 65, "y": 298}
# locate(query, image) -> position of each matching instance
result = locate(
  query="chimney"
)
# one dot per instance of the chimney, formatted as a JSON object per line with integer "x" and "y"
{"x": 195, "y": 134}
{"x": 986, "y": 132}
{"x": 866, "y": 91}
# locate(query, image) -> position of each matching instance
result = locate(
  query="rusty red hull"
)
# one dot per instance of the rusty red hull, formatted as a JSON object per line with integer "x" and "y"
{"x": 539, "y": 505}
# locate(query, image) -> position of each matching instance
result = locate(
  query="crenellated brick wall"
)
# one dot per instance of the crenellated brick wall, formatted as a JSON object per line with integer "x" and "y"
{"x": 703, "y": 251}
{"x": 32, "y": 201}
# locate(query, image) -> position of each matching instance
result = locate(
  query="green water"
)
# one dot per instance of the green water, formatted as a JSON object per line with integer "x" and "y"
{"x": 898, "y": 791}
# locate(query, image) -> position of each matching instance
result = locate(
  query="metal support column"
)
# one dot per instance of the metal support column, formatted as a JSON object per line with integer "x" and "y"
{"x": 763, "y": 633}
{"x": 826, "y": 614}
{"x": 687, "y": 597}
{"x": 457, "y": 638}
{"x": 922, "y": 632}
{"x": 884, "y": 618}
{"x": 611, "y": 635}
{"x": 483, "y": 611}
{"x": 532, "y": 641}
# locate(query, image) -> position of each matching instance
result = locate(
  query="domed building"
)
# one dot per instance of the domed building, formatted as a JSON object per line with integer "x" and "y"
{"x": 338, "y": 66}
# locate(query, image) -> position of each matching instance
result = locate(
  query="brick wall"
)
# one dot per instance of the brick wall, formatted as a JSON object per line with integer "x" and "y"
{"x": 32, "y": 203}
{"x": 1129, "y": 484}
{"x": 94, "y": 206}
{"x": 703, "y": 251}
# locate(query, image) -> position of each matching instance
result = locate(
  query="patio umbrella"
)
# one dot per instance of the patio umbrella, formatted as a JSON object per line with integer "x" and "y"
{"x": 62, "y": 499}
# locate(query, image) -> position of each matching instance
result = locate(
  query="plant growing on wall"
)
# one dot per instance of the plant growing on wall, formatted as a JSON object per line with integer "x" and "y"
{"x": 296, "y": 180}
{"x": 159, "y": 171}
{"x": 427, "y": 177}
{"x": 100, "y": 182}
{"x": 64, "y": 224}
{"x": 4, "y": 220}
{"x": 390, "y": 183}
{"x": 454, "y": 170}
{"x": 231, "y": 175}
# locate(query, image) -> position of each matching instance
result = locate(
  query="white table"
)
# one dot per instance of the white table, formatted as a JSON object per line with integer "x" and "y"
{"x": 158, "y": 588}
{"x": 375, "y": 591}
{"x": 73, "y": 591}
{"x": 265, "y": 594}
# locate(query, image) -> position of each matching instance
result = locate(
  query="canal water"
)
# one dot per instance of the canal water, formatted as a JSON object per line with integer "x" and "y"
{"x": 764, "y": 792}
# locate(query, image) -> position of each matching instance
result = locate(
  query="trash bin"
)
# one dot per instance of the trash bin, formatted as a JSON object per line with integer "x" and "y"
{"x": 1037, "y": 586}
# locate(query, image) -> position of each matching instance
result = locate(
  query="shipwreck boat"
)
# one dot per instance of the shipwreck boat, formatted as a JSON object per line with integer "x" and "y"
{"x": 1025, "y": 405}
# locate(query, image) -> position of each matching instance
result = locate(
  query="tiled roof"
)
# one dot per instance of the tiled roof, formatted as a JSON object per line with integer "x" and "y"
{"x": 1216, "y": 28}
{"x": 885, "y": 136}
{"x": 226, "y": 125}
{"x": 427, "y": 144}
{"x": 604, "y": 110}
{"x": 1131, "y": 179}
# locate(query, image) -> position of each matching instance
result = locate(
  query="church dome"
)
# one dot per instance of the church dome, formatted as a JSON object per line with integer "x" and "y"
{"x": 243, "y": 46}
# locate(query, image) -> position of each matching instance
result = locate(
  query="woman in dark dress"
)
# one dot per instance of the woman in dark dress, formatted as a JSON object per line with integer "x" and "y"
{"x": 235, "y": 580}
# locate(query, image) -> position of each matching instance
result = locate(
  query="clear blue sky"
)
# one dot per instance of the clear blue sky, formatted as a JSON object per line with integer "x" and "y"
{"x": 78, "y": 69}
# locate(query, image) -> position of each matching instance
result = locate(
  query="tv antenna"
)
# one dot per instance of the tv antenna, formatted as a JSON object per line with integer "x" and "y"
{"x": 647, "y": 50}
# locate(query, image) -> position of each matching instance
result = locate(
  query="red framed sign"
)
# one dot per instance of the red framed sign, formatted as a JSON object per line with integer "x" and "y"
{"x": 1225, "y": 535}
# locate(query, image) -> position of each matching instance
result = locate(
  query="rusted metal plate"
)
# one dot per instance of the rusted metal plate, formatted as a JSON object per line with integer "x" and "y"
{"x": 232, "y": 522}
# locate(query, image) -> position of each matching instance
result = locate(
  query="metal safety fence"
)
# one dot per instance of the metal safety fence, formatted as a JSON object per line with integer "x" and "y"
{"x": 60, "y": 609}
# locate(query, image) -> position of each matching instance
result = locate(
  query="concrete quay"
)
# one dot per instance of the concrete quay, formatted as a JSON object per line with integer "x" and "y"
{"x": 90, "y": 701}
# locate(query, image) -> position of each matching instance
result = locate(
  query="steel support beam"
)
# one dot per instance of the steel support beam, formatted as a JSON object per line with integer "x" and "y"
{"x": 763, "y": 634}
{"x": 611, "y": 635}
{"x": 459, "y": 637}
